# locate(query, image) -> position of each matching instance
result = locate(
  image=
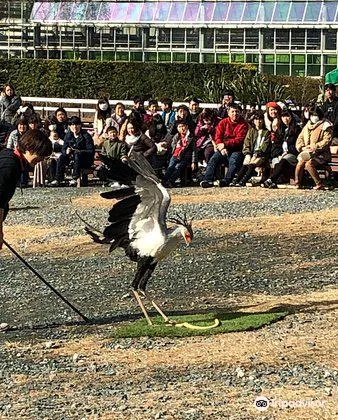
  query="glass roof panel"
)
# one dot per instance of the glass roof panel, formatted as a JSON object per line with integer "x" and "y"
{"x": 329, "y": 12}
{"x": 297, "y": 12}
{"x": 148, "y": 11}
{"x": 162, "y": 11}
{"x": 134, "y": 12}
{"x": 250, "y": 12}
{"x": 206, "y": 11}
{"x": 221, "y": 11}
{"x": 79, "y": 11}
{"x": 312, "y": 11}
{"x": 235, "y": 11}
{"x": 191, "y": 12}
{"x": 46, "y": 11}
{"x": 92, "y": 11}
{"x": 106, "y": 11}
{"x": 281, "y": 12}
{"x": 65, "y": 11}
{"x": 119, "y": 12}
{"x": 265, "y": 12}
{"x": 176, "y": 12}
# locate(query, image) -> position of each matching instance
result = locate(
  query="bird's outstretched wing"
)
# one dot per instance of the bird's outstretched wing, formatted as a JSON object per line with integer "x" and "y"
{"x": 148, "y": 228}
{"x": 138, "y": 220}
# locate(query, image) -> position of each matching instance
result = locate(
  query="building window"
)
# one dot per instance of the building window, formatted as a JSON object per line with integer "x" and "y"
{"x": 136, "y": 56}
{"x": 237, "y": 58}
{"x": 222, "y": 58}
{"x": 298, "y": 39}
{"x": 298, "y": 65}
{"x": 208, "y": 58}
{"x": 122, "y": 56}
{"x": 313, "y": 65}
{"x": 252, "y": 39}
{"x": 282, "y": 39}
{"x": 252, "y": 58}
{"x": 164, "y": 57}
{"x": 150, "y": 56}
{"x": 193, "y": 58}
{"x": 268, "y": 39}
{"x": 178, "y": 57}
{"x": 192, "y": 38}
{"x": 164, "y": 38}
{"x": 178, "y": 38}
{"x": 283, "y": 64}
{"x": 237, "y": 39}
{"x": 222, "y": 39}
{"x": 208, "y": 38}
{"x": 313, "y": 39}
{"x": 330, "y": 37}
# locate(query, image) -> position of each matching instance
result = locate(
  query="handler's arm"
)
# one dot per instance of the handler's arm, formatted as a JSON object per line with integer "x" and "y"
{"x": 2, "y": 212}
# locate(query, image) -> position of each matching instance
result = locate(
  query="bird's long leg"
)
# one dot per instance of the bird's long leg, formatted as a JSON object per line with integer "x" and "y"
{"x": 139, "y": 301}
{"x": 157, "y": 307}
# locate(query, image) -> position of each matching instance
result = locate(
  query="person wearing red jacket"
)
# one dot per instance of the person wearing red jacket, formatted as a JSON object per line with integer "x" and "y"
{"x": 229, "y": 139}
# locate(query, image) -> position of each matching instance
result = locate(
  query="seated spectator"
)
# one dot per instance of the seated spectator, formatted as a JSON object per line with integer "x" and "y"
{"x": 102, "y": 113}
{"x": 157, "y": 132}
{"x": 137, "y": 140}
{"x": 168, "y": 114}
{"x": 34, "y": 122}
{"x": 117, "y": 118}
{"x": 57, "y": 144}
{"x": 228, "y": 98}
{"x": 313, "y": 145}
{"x": 78, "y": 147}
{"x": 15, "y": 135}
{"x": 272, "y": 119}
{"x": 9, "y": 104}
{"x": 13, "y": 143}
{"x": 59, "y": 121}
{"x": 330, "y": 107}
{"x": 194, "y": 108}
{"x": 138, "y": 110}
{"x": 283, "y": 151}
{"x": 305, "y": 114}
{"x": 256, "y": 150}
{"x": 150, "y": 113}
{"x": 205, "y": 134}
{"x": 182, "y": 114}
{"x": 183, "y": 154}
{"x": 229, "y": 139}
{"x": 26, "y": 110}
{"x": 113, "y": 147}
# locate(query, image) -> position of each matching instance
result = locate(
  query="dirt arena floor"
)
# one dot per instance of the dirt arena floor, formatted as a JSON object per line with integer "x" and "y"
{"x": 254, "y": 250}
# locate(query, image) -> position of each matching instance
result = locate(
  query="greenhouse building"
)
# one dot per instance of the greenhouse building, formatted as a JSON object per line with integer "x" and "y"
{"x": 279, "y": 37}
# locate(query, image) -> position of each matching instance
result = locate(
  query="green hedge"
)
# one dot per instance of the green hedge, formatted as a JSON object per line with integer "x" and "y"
{"x": 91, "y": 79}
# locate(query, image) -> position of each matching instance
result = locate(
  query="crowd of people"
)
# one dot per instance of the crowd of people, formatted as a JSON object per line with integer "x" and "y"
{"x": 232, "y": 145}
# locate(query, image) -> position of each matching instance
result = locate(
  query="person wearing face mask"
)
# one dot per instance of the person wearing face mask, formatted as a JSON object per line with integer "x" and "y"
{"x": 103, "y": 112}
{"x": 313, "y": 145}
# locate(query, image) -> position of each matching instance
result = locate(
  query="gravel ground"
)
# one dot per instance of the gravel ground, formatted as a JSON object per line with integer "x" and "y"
{"x": 70, "y": 370}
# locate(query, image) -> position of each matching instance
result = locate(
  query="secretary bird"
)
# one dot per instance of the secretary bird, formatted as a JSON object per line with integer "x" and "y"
{"x": 138, "y": 222}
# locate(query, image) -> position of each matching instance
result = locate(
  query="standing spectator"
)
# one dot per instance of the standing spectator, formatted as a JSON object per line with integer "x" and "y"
{"x": 79, "y": 147}
{"x": 194, "y": 108}
{"x": 330, "y": 107}
{"x": 183, "y": 153}
{"x": 228, "y": 99}
{"x": 59, "y": 121}
{"x": 9, "y": 104}
{"x": 229, "y": 139}
{"x": 256, "y": 150}
{"x": 168, "y": 114}
{"x": 284, "y": 152}
{"x": 313, "y": 144}
{"x": 117, "y": 118}
{"x": 205, "y": 134}
{"x": 103, "y": 112}
{"x": 150, "y": 113}
{"x": 34, "y": 146}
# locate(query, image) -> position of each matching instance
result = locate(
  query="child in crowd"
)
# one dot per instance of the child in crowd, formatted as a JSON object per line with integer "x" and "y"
{"x": 183, "y": 154}
{"x": 57, "y": 144}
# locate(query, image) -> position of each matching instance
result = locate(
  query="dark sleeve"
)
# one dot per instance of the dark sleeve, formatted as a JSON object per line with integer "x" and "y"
{"x": 66, "y": 142}
{"x": 9, "y": 175}
{"x": 89, "y": 143}
{"x": 151, "y": 146}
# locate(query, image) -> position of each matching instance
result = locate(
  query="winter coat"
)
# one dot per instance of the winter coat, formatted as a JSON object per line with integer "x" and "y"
{"x": 83, "y": 143}
{"x": 288, "y": 135}
{"x": 8, "y": 107}
{"x": 190, "y": 148}
{"x": 205, "y": 134}
{"x": 115, "y": 121}
{"x": 318, "y": 136}
{"x": 143, "y": 145}
{"x": 250, "y": 141}
{"x": 13, "y": 139}
{"x": 115, "y": 149}
{"x": 232, "y": 134}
